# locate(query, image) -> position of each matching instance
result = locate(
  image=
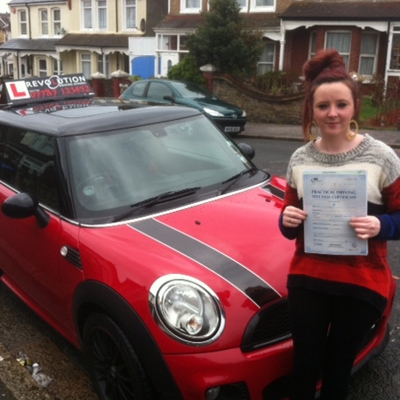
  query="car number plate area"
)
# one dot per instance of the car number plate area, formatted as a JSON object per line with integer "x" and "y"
{"x": 232, "y": 129}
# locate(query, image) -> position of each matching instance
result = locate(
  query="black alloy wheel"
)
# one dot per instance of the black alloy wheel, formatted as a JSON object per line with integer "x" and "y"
{"x": 113, "y": 364}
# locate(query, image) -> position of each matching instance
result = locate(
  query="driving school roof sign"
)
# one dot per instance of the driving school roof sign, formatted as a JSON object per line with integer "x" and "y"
{"x": 40, "y": 89}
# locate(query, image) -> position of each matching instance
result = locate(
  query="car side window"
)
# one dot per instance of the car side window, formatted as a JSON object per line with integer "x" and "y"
{"x": 28, "y": 164}
{"x": 138, "y": 89}
{"x": 158, "y": 90}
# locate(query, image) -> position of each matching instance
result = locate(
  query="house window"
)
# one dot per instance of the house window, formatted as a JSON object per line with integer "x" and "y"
{"x": 267, "y": 60}
{"x": 94, "y": 14}
{"x": 395, "y": 51}
{"x": 190, "y": 6}
{"x": 242, "y": 4}
{"x": 368, "y": 54}
{"x": 56, "y": 21}
{"x": 341, "y": 41}
{"x": 57, "y": 67}
{"x": 168, "y": 42}
{"x": 44, "y": 22}
{"x": 87, "y": 14}
{"x": 23, "y": 24}
{"x": 130, "y": 14}
{"x": 43, "y": 67}
{"x": 263, "y": 5}
{"x": 102, "y": 14}
{"x": 313, "y": 45}
{"x": 103, "y": 64}
{"x": 86, "y": 64}
{"x": 183, "y": 43}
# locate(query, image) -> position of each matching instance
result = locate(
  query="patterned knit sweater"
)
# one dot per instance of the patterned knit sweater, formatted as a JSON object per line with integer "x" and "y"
{"x": 364, "y": 277}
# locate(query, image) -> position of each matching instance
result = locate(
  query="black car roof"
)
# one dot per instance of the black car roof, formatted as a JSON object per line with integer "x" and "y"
{"x": 94, "y": 117}
{"x": 78, "y": 113}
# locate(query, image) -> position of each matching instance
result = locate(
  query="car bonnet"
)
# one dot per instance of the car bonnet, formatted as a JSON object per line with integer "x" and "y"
{"x": 236, "y": 237}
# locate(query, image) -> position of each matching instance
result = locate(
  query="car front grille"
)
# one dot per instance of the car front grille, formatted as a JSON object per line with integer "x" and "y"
{"x": 267, "y": 327}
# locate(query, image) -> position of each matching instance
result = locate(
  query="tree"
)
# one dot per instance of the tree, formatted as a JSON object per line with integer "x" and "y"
{"x": 225, "y": 41}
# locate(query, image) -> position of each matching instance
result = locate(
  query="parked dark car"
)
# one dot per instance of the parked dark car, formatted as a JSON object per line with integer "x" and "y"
{"x": 230, "y": 118}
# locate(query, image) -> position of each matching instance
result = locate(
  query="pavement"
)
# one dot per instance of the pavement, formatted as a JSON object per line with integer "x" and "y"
{"x": 16, "y": 383}
{"x": 294, "y": 132}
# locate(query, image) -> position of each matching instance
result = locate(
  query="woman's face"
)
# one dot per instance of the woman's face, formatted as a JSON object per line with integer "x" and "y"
{"x": 333, "y": 108}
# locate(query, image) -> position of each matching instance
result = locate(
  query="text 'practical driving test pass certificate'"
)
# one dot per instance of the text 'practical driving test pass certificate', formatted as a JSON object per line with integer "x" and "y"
{"x": 331, "y": 198}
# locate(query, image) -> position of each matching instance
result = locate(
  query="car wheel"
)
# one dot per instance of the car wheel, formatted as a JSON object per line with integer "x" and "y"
{"x": 113, "y": 364}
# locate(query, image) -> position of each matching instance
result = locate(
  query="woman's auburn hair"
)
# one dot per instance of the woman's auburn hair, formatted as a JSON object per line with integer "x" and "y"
{"x": 327, "y": 66}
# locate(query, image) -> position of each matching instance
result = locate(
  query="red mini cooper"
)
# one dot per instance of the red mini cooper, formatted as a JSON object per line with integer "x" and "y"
{"x": 147, "y": 238}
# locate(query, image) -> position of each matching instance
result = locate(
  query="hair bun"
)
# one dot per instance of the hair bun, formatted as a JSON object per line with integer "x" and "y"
{"x": 322, "y": 61}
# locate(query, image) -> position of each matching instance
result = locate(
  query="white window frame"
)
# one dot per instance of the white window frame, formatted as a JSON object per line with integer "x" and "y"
{"x": 243, "y": 7}
{"x": 57, "y": 63}
{"x": 87, "y": 14}
{"x": 163, "y": 43}
{"x": 91, "y": 15}
{"x": 42, "y": 71}
{"x": 128, "y": 8}
{"x": 187, "y": 9}
{"x": 272, "y": 62}
{"x": 104, "y": 69}
{"x": 312, "y": 45}
{"x": 345, "y": 55}
{"x": 23, "y": 22}
{"x": 369, "y": 55}
{"x": 86, "y": 59}
{"x": 101, "y": 20}
{"x": 44, "y": 21}
{"x": 261, "y": 8}
{"x": 56, "y": 21}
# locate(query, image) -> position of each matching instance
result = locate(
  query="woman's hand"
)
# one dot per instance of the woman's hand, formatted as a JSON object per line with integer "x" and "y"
{"x": 366, "y": 227}
{"x": 293, "y": 217}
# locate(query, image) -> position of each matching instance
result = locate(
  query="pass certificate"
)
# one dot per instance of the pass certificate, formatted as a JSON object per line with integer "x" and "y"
{"x": 331, "y": 198}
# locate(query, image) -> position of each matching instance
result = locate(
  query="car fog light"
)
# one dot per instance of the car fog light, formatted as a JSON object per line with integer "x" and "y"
{"x": 212, "y": 393}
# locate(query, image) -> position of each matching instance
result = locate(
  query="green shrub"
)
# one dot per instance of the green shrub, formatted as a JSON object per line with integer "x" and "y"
{"x": 186, "y": 70}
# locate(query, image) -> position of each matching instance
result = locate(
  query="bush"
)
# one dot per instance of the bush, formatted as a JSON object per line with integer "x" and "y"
{"x": 187, "y": 70}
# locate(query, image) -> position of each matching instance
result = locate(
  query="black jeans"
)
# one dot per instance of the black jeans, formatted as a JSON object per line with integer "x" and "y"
{"x": 327, "y": 334}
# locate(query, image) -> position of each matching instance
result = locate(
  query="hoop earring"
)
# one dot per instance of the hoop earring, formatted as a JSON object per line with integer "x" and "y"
{"x": 351, "y": 134}
{"x": 312, "y": 137}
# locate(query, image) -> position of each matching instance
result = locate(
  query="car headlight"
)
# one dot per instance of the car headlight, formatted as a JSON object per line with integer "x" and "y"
{"x": 187, "y": 309}
{"x": 244, "y": 114}
{"x": 212, "y": 112}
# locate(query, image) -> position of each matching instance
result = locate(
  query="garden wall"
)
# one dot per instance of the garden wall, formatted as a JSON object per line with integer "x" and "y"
{"x": 260, "y": 107}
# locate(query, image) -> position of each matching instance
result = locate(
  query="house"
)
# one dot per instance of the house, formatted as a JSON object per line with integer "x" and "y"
{"x": 184, "y": 17}
{"x": 5, "y": 35}
{"x": 69, "y": 36}
{"x": 366, "y": 33}
{"x": 147, "y": 37}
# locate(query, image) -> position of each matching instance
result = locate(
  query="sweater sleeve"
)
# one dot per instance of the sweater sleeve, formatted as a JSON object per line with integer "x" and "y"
{"x": 390, "y": 221}
{"x": 291, "y": 199}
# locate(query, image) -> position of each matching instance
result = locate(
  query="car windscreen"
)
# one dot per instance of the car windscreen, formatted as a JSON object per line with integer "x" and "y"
{"x": 114, "y": 171}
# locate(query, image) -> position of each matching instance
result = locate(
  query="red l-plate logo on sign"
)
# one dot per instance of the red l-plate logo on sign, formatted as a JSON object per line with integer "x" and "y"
{"x": 17, "y": 90}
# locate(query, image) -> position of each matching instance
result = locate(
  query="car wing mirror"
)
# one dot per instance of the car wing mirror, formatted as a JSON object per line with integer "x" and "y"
{"x": 247, "y": 150}
{"x": 23, "y": 205}
{"x": 169, "y": 98}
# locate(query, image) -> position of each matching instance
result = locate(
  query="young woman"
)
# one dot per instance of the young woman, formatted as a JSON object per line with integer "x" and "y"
{"x": 336, "y": 299}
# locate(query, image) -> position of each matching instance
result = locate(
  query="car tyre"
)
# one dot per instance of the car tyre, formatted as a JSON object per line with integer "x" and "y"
{"x": 112, "y": 362}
